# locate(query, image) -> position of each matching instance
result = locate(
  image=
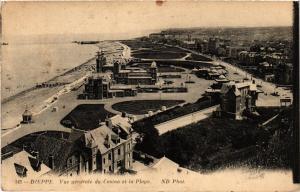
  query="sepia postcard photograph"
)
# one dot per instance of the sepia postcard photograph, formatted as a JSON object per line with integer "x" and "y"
{"x": 150, "y": 96}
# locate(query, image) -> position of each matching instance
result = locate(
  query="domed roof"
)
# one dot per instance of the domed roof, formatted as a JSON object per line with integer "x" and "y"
{"x": 27, "y": 113}
{"x": 153, "y": 64}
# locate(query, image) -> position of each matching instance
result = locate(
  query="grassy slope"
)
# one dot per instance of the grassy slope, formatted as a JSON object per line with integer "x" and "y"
{"x": 215, "y": 143}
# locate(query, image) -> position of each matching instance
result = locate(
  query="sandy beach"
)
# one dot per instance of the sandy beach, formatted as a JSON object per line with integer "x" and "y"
{"x": 35, "y": 98}
{"x": 26, "y": 65}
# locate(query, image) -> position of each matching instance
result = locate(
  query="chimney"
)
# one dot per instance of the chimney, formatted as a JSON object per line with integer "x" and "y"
{"x": 107, "y": 141}
{"x": 51, "y": 161}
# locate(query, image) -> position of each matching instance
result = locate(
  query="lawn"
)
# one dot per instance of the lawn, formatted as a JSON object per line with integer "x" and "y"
{"x": 137, "y": 45}
{"x": 173, "y": 113}
{"x": 185, "y": 64}
{"x": 148, "y": 50}
{"x": 198, "y": 58}
{"x": 156, "y": 51}
{"x": 169, "y": 69}
{"x": 86, "y": 116}
{"x": 158, "y": 54}
{"x": 139, "y": 107}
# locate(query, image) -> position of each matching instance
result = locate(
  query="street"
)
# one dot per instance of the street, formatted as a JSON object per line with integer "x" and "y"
{"x": 235, "y": 73}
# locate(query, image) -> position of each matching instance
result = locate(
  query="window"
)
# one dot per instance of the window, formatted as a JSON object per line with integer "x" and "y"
{"x": 103, "y": 160}
{"x": 128, "y": 145}
{"x": 119, "y": 163}
{"x": 104, "y": 171}
{"x": 70, "y": 161}
{"x": 119, "y": 151}
{"x": 110, "y": 169}
{"x": 109, "y": 156}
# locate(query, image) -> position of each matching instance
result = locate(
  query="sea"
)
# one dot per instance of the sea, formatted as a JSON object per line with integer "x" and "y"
{"x": 29, "y": 60}
{"x": 25, "y": 65}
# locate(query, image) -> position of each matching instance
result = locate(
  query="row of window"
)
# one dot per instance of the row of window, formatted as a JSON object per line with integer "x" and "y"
{"x": 110, "y": 169}
{"x": 109, "y": 155}
{"x": 119, "y": 153}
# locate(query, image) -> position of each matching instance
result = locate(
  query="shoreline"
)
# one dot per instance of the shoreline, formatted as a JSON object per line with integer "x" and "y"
{"x": 21, "y": 93}
{"x": 39, "y": 96}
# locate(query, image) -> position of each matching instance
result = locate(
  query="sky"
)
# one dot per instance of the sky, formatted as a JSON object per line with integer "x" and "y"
{"x": 38, "y": 18}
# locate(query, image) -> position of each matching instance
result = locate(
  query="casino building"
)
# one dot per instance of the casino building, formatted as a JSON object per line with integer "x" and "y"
{"x": 99, "y": 86}
{"x": 117, "y": 80}
{"x": 135, "y": 75}
{"x": 127, "y": 75}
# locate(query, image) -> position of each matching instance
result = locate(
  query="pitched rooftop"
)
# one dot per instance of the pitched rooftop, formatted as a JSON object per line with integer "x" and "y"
{"x": 20, "y": 162}
{"x": 98, "y": 137}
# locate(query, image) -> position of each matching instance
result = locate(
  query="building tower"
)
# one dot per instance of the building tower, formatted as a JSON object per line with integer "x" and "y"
{"x": 117, "y": 68}
{"x": 153, "y": 72}
{"x": 116, "y": 71}
{"x": 100, "y": 62}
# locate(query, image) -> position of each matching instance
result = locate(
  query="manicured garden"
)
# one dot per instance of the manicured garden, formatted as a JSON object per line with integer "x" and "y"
{"x": 175, "y": 112}
{"x": 185, "y": 64}
{"x": 139, "y": 107}
{"x": 169, "y": 69}
{"x": 158, "y": 54}
{"x": 198, "y": 58}
{"x": 149, "y": 50}
{"x": 86, "y": 116}
{"x": 138, "y": 45}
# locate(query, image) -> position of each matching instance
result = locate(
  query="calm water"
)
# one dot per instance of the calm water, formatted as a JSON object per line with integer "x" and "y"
{"x": 24, "y": 65}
